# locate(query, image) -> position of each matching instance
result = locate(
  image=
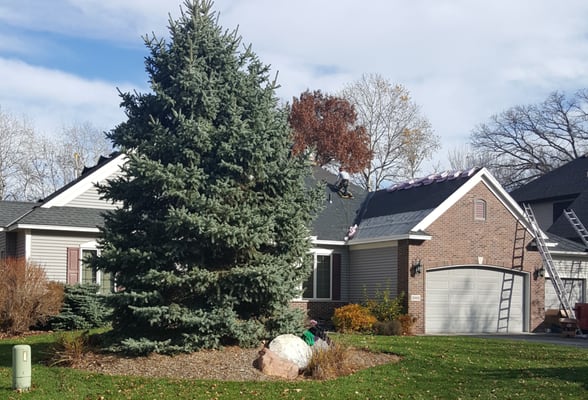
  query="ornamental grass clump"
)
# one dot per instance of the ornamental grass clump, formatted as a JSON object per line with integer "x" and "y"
{"x": 329, "y": 362}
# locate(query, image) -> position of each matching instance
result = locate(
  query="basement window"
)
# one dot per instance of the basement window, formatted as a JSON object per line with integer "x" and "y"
{"x": 479, "y": 210}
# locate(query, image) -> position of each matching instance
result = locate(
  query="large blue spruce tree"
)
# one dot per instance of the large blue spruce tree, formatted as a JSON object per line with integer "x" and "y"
{"x": 210, "y": 242}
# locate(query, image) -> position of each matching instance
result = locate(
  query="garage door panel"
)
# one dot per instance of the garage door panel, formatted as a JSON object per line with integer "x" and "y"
{"x": 468, "y": 300}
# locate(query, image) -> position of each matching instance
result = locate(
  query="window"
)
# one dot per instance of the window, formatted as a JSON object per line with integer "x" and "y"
{"x": 92, "y": 276}
{"x": 318, "y": 284}
{"x": 480, "y": 210}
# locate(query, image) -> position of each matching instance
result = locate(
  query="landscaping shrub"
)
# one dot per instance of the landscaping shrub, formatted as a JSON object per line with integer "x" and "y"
{"x": 388, "y": 328}
{"x": 27, "y": 298}
{"x": 383, "y": 306}
{"x": 353, "y": 318}
{"x": 83, "y": 308}
{"x": 69, "y": 349}
{"x": 407, "y": 321}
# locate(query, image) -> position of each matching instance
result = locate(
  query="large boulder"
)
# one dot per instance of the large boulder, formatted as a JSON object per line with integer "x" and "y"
{"x": 293, "y": 348}
{"x": 270, "y": 364}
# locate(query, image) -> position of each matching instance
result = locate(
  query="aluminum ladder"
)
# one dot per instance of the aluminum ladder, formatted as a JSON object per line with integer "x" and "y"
{"x": 560, "y": 289}
{"x": 577, "y": 224}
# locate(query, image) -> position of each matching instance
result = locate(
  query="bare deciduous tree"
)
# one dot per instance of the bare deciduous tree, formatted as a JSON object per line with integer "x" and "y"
{"x": 528, "y": 141}
{"x": 32, "y": 166}
{"x": 400, "y": 137}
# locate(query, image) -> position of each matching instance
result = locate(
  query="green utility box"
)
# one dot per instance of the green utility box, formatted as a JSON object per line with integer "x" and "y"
{"x": 21, "y": 367}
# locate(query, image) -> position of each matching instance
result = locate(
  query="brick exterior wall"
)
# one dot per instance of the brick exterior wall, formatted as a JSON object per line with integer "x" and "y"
{"x": 459, "y": 239}
{"x": 319, "y": 310}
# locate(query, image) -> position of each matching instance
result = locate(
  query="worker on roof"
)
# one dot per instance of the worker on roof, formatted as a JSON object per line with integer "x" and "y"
{"x": 342, "y": 181}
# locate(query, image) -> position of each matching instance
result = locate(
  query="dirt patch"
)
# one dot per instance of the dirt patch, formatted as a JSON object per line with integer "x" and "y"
{"x": 228, "y": 364}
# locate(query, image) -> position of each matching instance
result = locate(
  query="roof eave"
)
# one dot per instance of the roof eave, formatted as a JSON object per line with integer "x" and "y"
{"x": 53, "y": 228}
{"x": 391, "y": 238}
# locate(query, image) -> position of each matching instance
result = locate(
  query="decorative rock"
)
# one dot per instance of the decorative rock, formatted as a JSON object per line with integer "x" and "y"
{"x": 271, "y": 364}
{"x": 292, "y": 348}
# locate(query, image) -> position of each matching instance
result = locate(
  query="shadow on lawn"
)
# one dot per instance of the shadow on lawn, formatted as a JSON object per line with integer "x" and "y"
{"x": 563, "y": 374}
{"x": 39, "y": 351}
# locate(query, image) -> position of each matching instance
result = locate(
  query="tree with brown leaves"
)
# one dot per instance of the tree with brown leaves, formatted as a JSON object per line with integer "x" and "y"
{"x": 326, "y": 125}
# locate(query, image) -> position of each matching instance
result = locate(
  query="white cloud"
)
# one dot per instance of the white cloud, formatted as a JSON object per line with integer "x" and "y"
{"x": 462, "y": 60}
{"x": 52, "y": 99}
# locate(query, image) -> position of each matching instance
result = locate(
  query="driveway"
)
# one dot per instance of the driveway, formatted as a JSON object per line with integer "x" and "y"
{"x": 551, "y": 338}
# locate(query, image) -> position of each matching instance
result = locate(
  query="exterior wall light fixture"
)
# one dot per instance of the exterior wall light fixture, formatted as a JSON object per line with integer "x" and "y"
{"x": 417, "y": 267}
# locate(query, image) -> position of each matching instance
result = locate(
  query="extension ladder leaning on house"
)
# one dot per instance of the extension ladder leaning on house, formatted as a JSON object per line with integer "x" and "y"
{"x": 560, "y": 289}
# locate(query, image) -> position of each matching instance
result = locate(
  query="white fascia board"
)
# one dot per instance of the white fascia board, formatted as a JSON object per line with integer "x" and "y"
{"x": 54, "y": 228}
{"x": 87, "y": 182}
{"x": 581, "y": 254}
{"x": 416, "y": 236}
{"x": 329, "y": 242}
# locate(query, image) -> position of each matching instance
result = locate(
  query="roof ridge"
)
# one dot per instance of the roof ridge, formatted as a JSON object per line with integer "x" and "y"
{"x": 433, "y": 178}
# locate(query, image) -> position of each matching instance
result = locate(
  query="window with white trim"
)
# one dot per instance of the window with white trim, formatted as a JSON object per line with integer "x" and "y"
{"x": 318, "y": 285}
{"x": 91, "y": 275}
{"x": 480, "y": 210}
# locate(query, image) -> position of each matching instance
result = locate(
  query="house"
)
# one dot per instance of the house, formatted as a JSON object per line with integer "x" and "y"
{"x": 457, "y": 246}
{"x": 563, "y": 188}
{"x": 60, "y": 231}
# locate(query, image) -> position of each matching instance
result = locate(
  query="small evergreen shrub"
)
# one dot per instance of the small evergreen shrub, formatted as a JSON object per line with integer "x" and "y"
{"x": 83, "y": 308}
{"x": 27, "y": 298}
{"x": 353, "y": 318}
{"x": 388, "y": 328}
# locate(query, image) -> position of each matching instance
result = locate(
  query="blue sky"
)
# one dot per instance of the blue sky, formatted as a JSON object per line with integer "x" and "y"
{"x": 61, "y": 61}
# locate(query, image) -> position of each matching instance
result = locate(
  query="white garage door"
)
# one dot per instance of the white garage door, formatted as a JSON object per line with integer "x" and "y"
{"x": 474, "y": 300}
{"x": 574, "y": 289}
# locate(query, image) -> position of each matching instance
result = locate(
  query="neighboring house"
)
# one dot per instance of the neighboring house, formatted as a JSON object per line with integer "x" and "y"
{"x": 456, "y": 245}
{"x": 549, "y": 195}
{"x": 60, "y": 231}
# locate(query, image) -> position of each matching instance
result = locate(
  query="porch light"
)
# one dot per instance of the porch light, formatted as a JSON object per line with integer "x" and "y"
{"x": 539, "y": 272}
{"x": 417, "y": 267}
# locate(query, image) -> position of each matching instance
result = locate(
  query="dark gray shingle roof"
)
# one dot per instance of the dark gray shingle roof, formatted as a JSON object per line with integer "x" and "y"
{"x": 64, "y": 216}
{"x": 12, "y": 210}
{"x": 396, "y": 210}
{"x": 568, "y": 180}
{"x": 337, "y": 214}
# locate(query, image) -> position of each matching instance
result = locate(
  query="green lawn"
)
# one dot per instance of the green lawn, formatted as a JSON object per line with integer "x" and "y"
{"x": 432, "y": 368}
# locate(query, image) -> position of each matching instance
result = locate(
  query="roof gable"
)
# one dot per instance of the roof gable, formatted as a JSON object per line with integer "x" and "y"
{"x": 105, "y": 168}
{"x": 408, "y": 209}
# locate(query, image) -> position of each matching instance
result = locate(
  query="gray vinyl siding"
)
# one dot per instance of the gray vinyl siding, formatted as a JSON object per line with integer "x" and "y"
{"x": 373, "y": 270}
{"x": 21, "y": 245}
{"x": 49, "y": 250}
{"x": 574, "y": 273}
{"x": 91, "y": 199}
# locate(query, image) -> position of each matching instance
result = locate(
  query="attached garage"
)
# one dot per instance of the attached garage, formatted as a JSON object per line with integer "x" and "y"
{"x": 475, "y": 299}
